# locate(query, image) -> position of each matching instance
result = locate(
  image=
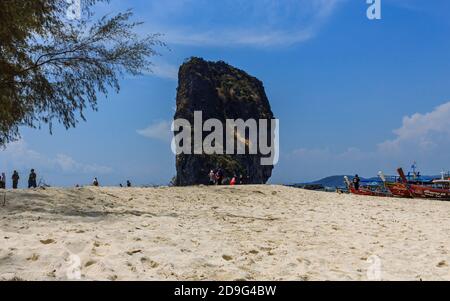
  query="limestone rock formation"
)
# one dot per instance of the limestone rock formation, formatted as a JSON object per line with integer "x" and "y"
{"x": 222, "y": 92}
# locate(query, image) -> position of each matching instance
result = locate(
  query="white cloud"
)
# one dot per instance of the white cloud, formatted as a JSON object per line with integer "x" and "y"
{"x": 164, "y": 70}
{"x": 239, "y": 38}
{"x": 235, "y": 23}
{"x": 230, "y": 23}
{"x": 18, "y": 155}
{"x": 424, "y": 131}
{"x": 68, "y": 164}
{"x": 419, "y": 133}
{"x": 160, "y": 131}
{"x": 423, "y": 137}
{"x": 267, "y": 23}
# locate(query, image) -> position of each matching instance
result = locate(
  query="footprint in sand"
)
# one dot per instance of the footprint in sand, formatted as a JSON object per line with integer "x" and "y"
{"x": 132, "y": 267}
{"x": 131, "y": 253}
{"x": 34, "y": 257}
{"x": 149, "y": 262}
{"x": 442, "y": 264}
{"x": 47, "y": 241}
{"x": 227, "y": 257}
{"x": 90, "y": 263}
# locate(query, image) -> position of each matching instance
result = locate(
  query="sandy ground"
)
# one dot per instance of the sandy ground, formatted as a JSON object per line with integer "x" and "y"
{"x": 226, "y": 233}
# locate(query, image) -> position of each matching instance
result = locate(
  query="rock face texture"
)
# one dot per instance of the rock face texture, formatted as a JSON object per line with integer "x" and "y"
{"x": 222, "y": 92}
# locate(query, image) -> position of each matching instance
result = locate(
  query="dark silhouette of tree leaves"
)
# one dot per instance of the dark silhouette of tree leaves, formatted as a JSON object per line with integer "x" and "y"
{"x": 52, "y": 68}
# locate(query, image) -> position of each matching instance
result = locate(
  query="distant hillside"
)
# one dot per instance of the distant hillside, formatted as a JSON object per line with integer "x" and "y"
{"x": 333, "y": 181}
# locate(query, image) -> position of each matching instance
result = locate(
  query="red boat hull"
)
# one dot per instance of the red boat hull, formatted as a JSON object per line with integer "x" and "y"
{"x": 420, "y": 191}
{"x": 424, "y": 191}
{"x": 399, "y": 190}
{"x": 366, "y": 192}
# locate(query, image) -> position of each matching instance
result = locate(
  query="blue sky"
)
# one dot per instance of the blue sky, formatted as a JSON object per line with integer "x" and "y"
{"x": 352, "y": 95}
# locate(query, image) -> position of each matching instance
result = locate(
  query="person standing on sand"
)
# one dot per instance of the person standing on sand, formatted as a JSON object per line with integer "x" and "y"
{"x": 128, "y": 184}
{"x": 15, "y": 179}
{"x": 3, "y": 181}
{"x": 241, "y": 179}
{"x": 233, "y": 181}
{"x": 95, "y": 182}
{"x": 212, "y": 177}
{"x": 219, "y": 176}
{"x": 356, "y": 182}
{"x": 32, "y": 179}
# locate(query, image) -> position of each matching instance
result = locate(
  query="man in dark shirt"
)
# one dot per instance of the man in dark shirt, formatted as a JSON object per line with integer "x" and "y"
{"x": 2, "y": 181}
{"x": 15, "y": 179}
{"x": 219, "y": 176}
{"x": 32, "y": 179}
{"x": 356, "y": 182}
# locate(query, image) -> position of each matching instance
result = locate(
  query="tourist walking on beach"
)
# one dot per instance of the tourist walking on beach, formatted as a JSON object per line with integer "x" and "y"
{"x": 128, "y": 184}
{"x": 15, "y": 179}
{"x": 32, "y": 179}
{"x": 95, "y": 182}
{"x": 356, "y": 182}
{"x": 3, "y": 181}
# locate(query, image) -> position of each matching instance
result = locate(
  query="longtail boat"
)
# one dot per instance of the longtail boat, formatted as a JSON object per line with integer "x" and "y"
{"x": 435, "y": 189}
{"x": 366, "y": 191}
{"x": 397, "y": 189}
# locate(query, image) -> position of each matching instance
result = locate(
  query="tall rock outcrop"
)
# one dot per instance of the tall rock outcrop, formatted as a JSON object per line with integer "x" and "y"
{"x": 222, "y": 92}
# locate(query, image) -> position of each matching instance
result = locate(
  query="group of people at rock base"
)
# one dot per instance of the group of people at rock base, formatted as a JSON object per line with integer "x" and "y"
{"x": 217, "y": 177}
{"x": 32, "y": 180}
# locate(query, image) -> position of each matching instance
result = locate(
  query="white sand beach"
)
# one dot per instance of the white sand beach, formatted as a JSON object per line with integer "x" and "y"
{"x": 220, "y": 233}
